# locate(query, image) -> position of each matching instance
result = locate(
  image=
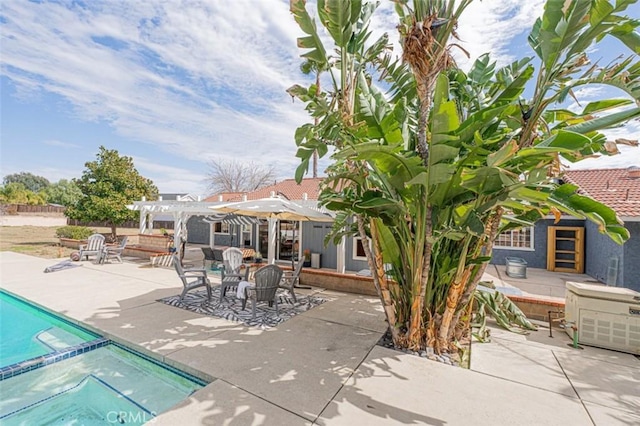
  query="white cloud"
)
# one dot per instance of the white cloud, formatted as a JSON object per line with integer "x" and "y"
{"x": 196, "y": 80}
{"x": 53, "y": 142}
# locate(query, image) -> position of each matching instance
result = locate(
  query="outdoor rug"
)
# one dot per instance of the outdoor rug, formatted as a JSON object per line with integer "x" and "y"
{"x": 230, "y": 308}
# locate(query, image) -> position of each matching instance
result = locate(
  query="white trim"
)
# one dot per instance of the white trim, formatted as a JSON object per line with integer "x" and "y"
{"x": 513, "y": 248}
{"x": 630, "y": 218}
{"x": 354, "y": 250}
{"x": 532, "y": 248}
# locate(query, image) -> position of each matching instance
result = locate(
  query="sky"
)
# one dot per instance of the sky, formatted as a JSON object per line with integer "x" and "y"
{"x": 177, "y": 84}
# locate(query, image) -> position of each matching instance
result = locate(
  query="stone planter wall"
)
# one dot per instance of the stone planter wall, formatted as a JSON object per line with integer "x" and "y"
{"x": 154, "y": 242}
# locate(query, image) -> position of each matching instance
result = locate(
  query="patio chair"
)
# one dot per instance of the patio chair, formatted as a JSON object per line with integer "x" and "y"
{"x": 267, "y": 279}
{"x": 114, "y": 252}
{"x": 231, "y": 274}
{"x": 191, "y": 278}
{"x": 290, "y": 280}
{"x": 94, "y": 247}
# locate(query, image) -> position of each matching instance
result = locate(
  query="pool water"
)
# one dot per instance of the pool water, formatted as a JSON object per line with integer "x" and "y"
{"x": 103, "y": 386}
{"x": 104, "y": 383}
{"x": 27, "y": 332}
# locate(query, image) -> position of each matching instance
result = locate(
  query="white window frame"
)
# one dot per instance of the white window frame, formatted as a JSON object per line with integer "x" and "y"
{"x": 354, "y": 251}
{"x": 222, "y": 228}
{"x": 247, "y": 229}
{"x": 532, "y": 248}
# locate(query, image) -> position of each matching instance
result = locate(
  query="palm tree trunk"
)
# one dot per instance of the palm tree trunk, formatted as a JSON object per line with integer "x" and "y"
{"x": 379, "y": 278}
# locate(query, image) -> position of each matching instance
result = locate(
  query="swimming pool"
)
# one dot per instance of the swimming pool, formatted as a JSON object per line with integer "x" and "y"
{"x": 57, "y": 373}
{"x": 28, "y": 332}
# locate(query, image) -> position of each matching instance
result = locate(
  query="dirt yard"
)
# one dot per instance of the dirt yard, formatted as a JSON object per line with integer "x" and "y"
{"x": 41, "y": 241}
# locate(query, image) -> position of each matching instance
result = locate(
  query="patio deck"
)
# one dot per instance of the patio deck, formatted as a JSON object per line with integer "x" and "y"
{"x": 324, "y": 367}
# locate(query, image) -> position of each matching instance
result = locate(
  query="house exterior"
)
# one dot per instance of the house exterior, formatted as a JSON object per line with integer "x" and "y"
{"x": 347, "y": 256}
{"x": 600, "y": 257}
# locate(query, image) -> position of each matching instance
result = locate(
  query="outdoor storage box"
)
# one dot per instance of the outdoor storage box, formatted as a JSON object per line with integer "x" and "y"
{"x": 516, "y": 267}
{"x": 315, "y": 260}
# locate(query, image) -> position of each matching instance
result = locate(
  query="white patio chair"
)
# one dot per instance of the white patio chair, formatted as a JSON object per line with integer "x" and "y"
{"x": 94, "y": 247}
{"x": 231, "y": 273}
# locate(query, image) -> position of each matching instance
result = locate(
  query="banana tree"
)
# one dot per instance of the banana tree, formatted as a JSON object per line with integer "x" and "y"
{"x": 430, "y": 170}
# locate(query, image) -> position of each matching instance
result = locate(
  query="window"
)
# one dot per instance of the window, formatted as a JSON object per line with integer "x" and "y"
{"x": 516, "y": 239}
{"x": 246, "y": 235}
{"x": 358, "y": 249}
{"x": 221, "y": 228}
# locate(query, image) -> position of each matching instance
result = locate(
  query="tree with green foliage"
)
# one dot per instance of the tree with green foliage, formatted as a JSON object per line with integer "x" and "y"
{"x": 29, "y": 180}
{"x": 107, "y": 186}
{"x": 433, "y": 170}
{"x": 17, "y": 193}
{"x": 64, "y": 192}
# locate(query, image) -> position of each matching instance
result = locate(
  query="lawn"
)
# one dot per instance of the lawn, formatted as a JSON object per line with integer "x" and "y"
{"x": 41, "y": 241}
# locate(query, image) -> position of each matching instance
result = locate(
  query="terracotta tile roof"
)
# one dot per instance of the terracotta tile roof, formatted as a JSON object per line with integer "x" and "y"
{"x": 226, "y": 196}
{"x": 617, "y": 188}
{"x": 287, "y": 188}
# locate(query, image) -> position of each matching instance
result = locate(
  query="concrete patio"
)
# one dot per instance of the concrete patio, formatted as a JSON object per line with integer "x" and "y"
{"x": 324, "y": 367}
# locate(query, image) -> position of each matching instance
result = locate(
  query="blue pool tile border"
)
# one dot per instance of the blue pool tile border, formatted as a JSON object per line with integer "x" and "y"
{"x": 72, "y": 351}
{"x": 51, "y": 358}
{"x": 174, "y": 370}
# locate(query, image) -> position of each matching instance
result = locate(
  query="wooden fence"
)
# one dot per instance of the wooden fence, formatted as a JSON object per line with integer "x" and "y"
{"x": 30, "y": 208}
{"x": 129, "y": 224}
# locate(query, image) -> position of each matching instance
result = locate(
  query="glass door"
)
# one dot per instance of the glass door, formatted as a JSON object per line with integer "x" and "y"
{"x": 287, "y": 240}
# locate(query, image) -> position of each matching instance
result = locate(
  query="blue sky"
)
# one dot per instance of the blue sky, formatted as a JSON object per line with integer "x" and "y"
{"x": 176, "y": 84}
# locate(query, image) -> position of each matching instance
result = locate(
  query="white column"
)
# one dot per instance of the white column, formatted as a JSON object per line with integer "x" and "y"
{"x": 341, "y": 256}
{"x": 150, "y": 224}
{"x": 143, "y": 221}
{"x": 211, "y": 236}
{"x": 300, "y": 258}
{"x": 177, "y": 229}
{"x": 273, "y": 231}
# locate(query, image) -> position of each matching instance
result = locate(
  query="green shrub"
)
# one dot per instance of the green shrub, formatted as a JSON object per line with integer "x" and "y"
{"x": 74, "y": 232}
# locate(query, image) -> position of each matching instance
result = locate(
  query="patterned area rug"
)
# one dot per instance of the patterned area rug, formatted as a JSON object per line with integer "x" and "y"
{"x": 230, "y": 308}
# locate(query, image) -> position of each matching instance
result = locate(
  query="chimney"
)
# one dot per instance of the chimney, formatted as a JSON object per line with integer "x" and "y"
{"x": 199, "y": 198}
{"x": 633, "y": 172}
{"x": 273, "y": 194}
{"x": 305, "y": 196}
{"x": 244, "y": 197}
{"x": 219, "y": 197}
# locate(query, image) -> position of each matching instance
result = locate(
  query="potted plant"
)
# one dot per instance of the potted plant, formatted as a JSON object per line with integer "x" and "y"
{"x": 307, "y": 258}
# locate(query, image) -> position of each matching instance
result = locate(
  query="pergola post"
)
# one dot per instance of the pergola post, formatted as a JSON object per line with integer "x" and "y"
{"x": 300, "y": 250}
{"x": 271, "y": 256}
{"x": 143, "y": 221}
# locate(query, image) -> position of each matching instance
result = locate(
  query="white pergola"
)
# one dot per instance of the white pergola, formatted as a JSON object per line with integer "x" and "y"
{"x": 182, "y": 211}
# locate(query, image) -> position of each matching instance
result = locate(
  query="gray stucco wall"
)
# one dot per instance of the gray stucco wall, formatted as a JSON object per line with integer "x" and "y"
{"x": 600, "y": 249}
{"x": 631, "y": 261}
{"x": 350, "y": 263}
{"x": 313, "y": 234}
{"x": 197, "y": 230}
{"x": 538, "y": 257}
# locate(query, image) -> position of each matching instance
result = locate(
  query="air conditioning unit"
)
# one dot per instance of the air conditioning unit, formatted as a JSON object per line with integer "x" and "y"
{"x": 606, "y": 317}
